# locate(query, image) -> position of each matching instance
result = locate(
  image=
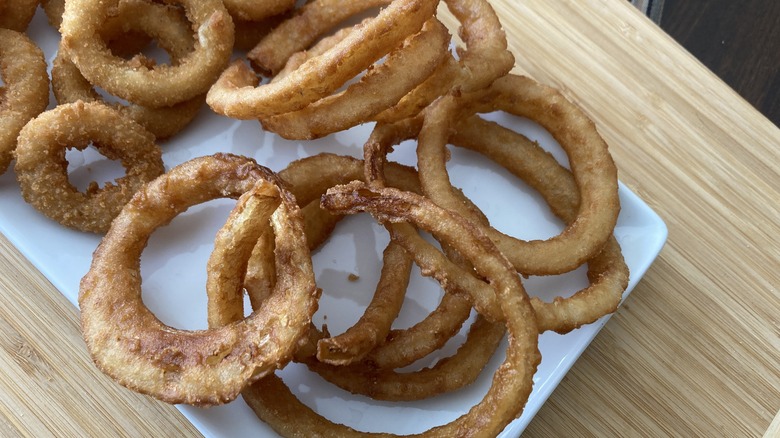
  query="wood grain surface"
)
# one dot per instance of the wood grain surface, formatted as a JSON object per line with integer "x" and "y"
{"x": 738, "y": 41}
{"x": 693, "y": 352}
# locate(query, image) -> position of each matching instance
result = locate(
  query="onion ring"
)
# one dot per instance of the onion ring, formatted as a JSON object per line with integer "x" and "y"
{"x": 400, "y": 347}
{"x": 26, "y": 90}
{"x": 162, "y": 85}
{"x": 127, "y": 45}
{"x": 236, "y": 94}
{"x": 607, "y": 271}
{"x": 376, "y": 322}
{"x": 261, "y": 268}
{"x": 589, "y": 158}
{"x": 165, "y": 24}
{"x": 382, "y": 86}
{"x": 17, "y": 14}
{"x": 512, "y": 382}
{"x": 298, "y": 32}
{"x": 197, "y": 367}
{"x": 41, "y": 167}
{"x": 484, "y": 59}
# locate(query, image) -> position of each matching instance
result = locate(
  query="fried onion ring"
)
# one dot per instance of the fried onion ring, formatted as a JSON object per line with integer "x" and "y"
{"x": 162, "y": 85}
{"x": 165, "y": 24}
{"x": 607, "y": 271}
{"x": 197, "y": 367}
{"x": 236, "y": 93}
{"x": 589, "y": 158}
{"x": 382, "y": 86}
{"x": 298, "y": 32}
{"x": 375, "y": 324}
{"x": 484, "y": 58}
{"x": 41, "y": 166}
{"x": 397, "y": 348}
{"x": 447, "y": 375}
{"x": 26, "y": 90}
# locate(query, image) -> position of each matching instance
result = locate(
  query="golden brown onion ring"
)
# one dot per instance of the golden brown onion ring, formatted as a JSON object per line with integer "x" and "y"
{"x": 261, "y": 270}
{"x": 297, "y": 33}
{"x": 172, "y": 31}
{"x": 607, "y": 271}
{"x": 382, "y": 86}
{"x": 484, "y": 58}
{"x": 41, "y": 166}
{"x": 201, "y": 367}
{"x": 308, "y": 178}
{"x": 26, "y": 90}
{"x": 226, "y": 298}
{"x": 163, "y": 85}
{"x": 236, "y": 94}
{"x": 374, "y": 325}
{"x": 589, "y": 157}
{"x": 233, "y": 246}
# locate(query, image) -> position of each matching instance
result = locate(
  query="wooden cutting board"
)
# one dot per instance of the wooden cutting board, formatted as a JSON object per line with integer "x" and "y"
{"x": 695, "y": 350}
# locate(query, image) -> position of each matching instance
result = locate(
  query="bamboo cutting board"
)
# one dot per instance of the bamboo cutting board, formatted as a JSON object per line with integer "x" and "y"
{"x": 695, "y": 350}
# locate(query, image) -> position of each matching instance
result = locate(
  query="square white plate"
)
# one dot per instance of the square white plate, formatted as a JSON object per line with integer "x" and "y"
{"x": 173, "y": 266}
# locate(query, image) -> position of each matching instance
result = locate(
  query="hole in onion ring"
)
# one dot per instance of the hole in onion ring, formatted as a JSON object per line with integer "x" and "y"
{"x": 533, "y": 220}
{"x": 175, "y": 251}
{"x": 88, "y": 166}
{"x": 354, "y": 248}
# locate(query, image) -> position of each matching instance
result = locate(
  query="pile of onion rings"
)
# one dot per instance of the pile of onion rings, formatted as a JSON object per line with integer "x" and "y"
{"x": 306, "y": 71}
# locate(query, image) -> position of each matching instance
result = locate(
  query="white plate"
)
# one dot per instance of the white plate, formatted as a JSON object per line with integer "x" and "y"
{"x": 173, "y": 266}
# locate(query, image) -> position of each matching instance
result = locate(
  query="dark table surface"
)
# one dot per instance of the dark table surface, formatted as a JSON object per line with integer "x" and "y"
{"x": 738, "y": 40}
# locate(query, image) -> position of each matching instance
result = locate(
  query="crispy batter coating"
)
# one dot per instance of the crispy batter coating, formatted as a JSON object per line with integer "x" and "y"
{"x": 382, "y": 86}
{"x": 41, "y": 167}
{"x": 17, "y": 14}
{"x": 162, "y": 85}
{"x": 26, "y": 90}
{"x": 297, "y": 33}
{"x": 607, "y": 271}
{"x": 236, "y": 94}
{"x": 165, "y": 24}
{"x": 203, "y": 367}
{"x": 253, "y": 10}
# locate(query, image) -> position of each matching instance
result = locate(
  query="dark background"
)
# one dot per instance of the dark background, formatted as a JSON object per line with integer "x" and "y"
{"x": 739, "y": 40}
